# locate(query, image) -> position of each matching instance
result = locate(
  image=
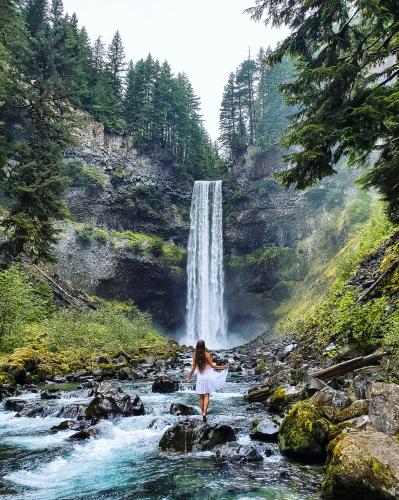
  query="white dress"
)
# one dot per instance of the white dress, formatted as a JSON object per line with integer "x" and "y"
{"x": 210, "y": 380}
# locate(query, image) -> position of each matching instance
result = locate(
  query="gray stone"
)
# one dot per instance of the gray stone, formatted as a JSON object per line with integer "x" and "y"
{"x": 192, "y": 435}
{"x": 233, "y": 452}
{"x": 384, "y": 407}
{"x": 110, "y": 401}
{"x": 165, "y": 385}
{"x": 13, "y": 404}
{"x": 180, "y": 409}
{"x": 362, "y": 465}
{"x": 264, "y": 430}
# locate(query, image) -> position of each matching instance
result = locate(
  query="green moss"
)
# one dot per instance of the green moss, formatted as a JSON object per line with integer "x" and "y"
{"x": 265, "y": 257}
{"x": 304, "y": 432}
{"x": 87, "y": 233}
{"x": 82, "y": 175}
{"x": 153, "y": 245}
{"x": 353, "y": 473}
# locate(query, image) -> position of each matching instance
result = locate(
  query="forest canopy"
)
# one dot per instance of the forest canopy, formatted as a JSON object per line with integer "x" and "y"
{"x": 345, "y": 89}
{"x": 48, "y": 69}
{"x": 253, "y": 112}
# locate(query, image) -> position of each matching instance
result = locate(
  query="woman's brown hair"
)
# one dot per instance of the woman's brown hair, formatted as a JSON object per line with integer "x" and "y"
{"x": 200, "y": 355}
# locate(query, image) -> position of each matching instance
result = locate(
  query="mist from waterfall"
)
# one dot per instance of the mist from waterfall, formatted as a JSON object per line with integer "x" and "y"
{"x": 206, "y": 316}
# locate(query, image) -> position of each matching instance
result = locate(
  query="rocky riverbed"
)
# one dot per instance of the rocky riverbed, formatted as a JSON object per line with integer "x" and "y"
{"x": 270, "y": 433}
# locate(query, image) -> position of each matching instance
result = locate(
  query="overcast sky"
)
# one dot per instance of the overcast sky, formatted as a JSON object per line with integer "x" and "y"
{"x": 204, "y": 38}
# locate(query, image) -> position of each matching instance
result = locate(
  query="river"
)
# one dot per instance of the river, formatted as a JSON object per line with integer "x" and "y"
{"x": 124, "y": 461}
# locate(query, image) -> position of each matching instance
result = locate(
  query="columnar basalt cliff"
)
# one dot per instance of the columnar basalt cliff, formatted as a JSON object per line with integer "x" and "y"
{"x": 268, "y": 231}
{"x": 129, "y": 226}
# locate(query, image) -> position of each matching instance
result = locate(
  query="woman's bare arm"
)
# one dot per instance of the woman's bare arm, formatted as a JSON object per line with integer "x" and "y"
{"x": 213, "y": 365}
{"x": 187, "y": 379}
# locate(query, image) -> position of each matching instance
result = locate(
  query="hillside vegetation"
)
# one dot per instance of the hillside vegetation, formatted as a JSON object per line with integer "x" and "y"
{"x": 39, "y": 338}
{"x": 352, "y": 297}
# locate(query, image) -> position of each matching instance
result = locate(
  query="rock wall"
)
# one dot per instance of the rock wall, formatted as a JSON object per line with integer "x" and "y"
{"x": 265, "y": 227}
{"x": 119, "y": 199}
{"x": 117, "y": 189}
{"x": 135, "y": 191}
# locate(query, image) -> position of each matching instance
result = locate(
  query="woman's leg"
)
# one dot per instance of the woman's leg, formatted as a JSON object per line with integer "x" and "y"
{"x": 201, "y": 396}
{"x": 206, "y": 403}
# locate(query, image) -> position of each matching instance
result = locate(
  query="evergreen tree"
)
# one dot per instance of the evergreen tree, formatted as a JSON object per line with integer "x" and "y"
{"x": 39, "y": 108}
{"x": 271, "y": 111}
{"x": 346, "y": 88}
{"x": 98, "y": 56}
{"x": 245, "y": 81}
{"x": 36, "y": 15}
{"x": 116, "y": 62}
{"x": 253, "y": 111}
{"x": 56, "y": 11}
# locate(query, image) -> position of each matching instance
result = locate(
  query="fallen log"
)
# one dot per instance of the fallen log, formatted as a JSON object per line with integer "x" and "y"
{"x": 347, "y": 366}
{"x": 374, "y": 285}
{"x": 63, "y": 294}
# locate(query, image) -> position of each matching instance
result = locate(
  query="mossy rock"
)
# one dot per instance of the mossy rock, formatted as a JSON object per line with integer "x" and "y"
{"x": 283, "y": 397}
{"x": 304, "y": 433}
{"x": 357, "y": 423}
{"x": 356, "y": 409}
{"x": 362, "y": 465}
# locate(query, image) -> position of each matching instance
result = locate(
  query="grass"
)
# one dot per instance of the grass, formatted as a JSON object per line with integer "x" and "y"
{"x": 45, "y": 340}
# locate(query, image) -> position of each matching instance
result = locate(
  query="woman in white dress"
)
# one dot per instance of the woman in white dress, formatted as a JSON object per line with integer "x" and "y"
{"x": 208, "y": 380}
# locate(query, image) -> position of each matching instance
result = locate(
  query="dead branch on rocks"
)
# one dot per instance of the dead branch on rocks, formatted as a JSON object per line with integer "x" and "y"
{"x": 347, "y": 366}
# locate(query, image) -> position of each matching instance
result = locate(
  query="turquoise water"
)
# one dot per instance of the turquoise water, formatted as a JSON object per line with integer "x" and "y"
{"x": 124, "y": 462}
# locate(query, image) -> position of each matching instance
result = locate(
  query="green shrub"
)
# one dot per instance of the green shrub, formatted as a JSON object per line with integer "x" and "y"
{"x": 86, "y": 233}
{"x": 104, "y": 330}
{"x": 144, "y": 244}
{"x": 119, "y": 176}
{"x": 22, "y": 302}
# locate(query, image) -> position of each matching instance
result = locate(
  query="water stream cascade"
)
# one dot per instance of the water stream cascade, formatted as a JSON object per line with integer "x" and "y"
{"x": 206, "y": 316}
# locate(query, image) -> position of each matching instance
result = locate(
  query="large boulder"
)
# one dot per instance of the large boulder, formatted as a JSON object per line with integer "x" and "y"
{"x": 180, "y": 409}
{"x": 353, "y": 424}
{"x": 50, "y": 394}
{"x": 304, "y": 433}
{"x": 362, "y": 465}
{"x": 190, "y": 435}
{"x": 14, "y": 404}
{"x": 356, "y": 409}
{"x": 165, "y": 385}
{"x": 72, "y": 411}
{"x": 233, "y": 452}
{"x": 384, "y": 407}
{"x": 283, "y": 397}
{"x": 264, "y": 430}
{"x": 110, "y": 401}
{"x": 37, "y": 408}
{"x": 331, "y": 401}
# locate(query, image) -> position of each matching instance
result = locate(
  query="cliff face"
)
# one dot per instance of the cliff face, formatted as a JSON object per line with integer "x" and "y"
{"x": 131, "y": 190}
{"x": 266, "y": 233}
{"x": 130, "y": 222}
{"x": 129, "y": 226}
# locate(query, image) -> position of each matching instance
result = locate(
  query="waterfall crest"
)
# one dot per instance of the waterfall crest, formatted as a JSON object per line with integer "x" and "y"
{"x": 206, "y": 318}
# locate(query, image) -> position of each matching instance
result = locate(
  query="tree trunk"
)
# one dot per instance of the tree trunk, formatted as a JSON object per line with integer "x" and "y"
{"x": 347, "y": 366}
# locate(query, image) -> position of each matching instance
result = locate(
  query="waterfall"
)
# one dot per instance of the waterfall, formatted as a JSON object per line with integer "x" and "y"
{"x": 206, "y": 318}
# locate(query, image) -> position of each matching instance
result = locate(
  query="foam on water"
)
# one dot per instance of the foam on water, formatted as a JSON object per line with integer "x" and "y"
{"x": 96, "y": 462}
